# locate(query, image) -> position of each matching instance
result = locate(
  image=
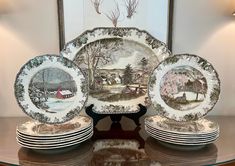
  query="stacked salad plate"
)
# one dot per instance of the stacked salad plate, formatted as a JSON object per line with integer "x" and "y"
{"x": 52, "y": 90}
{"x": 36, "y": 135}
{"x": 183, "y": 89}
{"x": 194, "y": 133}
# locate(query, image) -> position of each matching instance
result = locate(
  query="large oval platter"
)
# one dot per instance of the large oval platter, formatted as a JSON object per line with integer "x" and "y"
{"x": 51, "y": 89}
{"x": 117, "y": 62}
{"x": 184, "y": 87}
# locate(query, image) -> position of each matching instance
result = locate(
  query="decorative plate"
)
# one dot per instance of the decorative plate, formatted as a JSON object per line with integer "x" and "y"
{"x": 202, "y": 126}
{"x": 51, "y": 89}
{"x": 117, "y": 62}
{"x": 57, "y": 146}
{"x": 176, "y": 135}
{"x": 38, "y": 130}
{"x": 186, "y": 140}
{"x": 55, "y": 140}
{"x": 182, "y": 143}
{"x": 184, "y": 87}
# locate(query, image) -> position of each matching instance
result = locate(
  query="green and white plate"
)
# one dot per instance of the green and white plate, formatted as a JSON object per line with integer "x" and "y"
{"x": 117, "y": 62}
{"x": 184, "y": 87}
{"x": 51, "y": 89}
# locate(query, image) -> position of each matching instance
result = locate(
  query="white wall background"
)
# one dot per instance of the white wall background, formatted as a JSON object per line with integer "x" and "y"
{"x": 81, "y": 15}
{"x": 27, "y": 28}
{"x": 204, "y": 27}
{"x": 207, "y": 28}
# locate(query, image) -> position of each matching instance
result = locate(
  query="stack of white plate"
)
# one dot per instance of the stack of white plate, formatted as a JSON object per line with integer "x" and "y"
{"x": 200, "y": 132}
{"x": 36, "y": 135}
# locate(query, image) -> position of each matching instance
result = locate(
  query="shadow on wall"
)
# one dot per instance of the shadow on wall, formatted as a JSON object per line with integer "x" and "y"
{"x": 32, "y": 21}
{"x": 198, "y": 21}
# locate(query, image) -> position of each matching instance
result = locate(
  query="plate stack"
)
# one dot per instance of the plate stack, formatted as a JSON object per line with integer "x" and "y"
{"x": 36, "y": 135}
{"x": 183, "y": 89}
{"x": 194, "y": 133}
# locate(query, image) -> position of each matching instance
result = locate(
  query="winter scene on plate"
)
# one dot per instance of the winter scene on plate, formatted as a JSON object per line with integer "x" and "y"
{"x": 52, "y": 90}
{"x": 183, "y": 88}
{"x": 118, "y": 70}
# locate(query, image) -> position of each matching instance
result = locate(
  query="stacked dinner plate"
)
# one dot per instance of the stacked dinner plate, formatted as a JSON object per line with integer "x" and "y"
{"x": 36, "y": 135}
{"x": 196, "y": 133}
{"x": 183, "y": 89}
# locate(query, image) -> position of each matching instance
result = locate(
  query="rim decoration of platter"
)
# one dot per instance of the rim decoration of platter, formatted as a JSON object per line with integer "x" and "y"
{"x": 184, "y": 87}
{"x": 117, "y": 62}
{"x": 51, "y": 89}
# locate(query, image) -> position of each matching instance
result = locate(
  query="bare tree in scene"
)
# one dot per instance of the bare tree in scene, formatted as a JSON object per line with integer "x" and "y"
{"x": 114, "y": 15}
{"x": 95, "y": 54}
{"x": 131, "y": 6}
{"x": 96, "y": 4}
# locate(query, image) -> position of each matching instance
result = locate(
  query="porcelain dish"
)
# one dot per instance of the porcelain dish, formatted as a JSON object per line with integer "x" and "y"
{"x": 51, "y": 89}
{"x": 117, "y": 63}
{"x": 184, "y": 87}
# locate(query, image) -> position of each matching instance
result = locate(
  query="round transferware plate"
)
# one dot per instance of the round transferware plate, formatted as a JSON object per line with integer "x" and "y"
{"x": 118, "y": 62}
{"x": 45, "y": 144}
{"x": 185, "y": 140}
{"x": 51, "y": 89}
{"x": 55, "y": 146}
{"x": 55, "y": 140}
{"x": 182, "y": 142}
{"x": 184, "y": 87}
{"x": 39, "y": 130}
{"x": 173, "y": 135}
{"x": 202, "y": 126}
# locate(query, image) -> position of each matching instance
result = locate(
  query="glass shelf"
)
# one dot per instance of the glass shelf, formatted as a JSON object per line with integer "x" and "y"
{"x": 123, "y": 143}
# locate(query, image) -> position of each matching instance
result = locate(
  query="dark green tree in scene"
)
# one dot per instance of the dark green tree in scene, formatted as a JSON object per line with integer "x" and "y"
{"x": 128, "y": 75}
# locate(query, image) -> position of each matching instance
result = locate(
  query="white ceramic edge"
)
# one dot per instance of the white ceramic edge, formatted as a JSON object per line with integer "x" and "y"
{"x": 179, "y": 143}
{"x": 57, "y": 140}
{"x": 178, "y": 135}
{"x": 30, "y": 124}
{"x": 187, "y": 140}
{"x": 57, "y": 146}
{"x": 53, "y": 138}
{"x": 161, "y": 120}
{"x": 159, "y": 73}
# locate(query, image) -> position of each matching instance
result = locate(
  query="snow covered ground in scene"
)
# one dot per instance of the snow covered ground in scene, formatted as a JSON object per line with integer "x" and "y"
{"x": 190, "y": 95}
{"x": 133, "y": 103}
{"x": 118, "y": 88}
{"x": 115, "y": 88}
{"x": 59, "y": 104}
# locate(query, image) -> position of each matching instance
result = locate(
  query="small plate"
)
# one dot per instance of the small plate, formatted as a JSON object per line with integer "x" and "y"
{"x": 51, "y": 89}
{"x": 202, "y": 126}
{"x": 186, "y": 140}
{"x": 181, "y": 142}
{"x": 56, "y": 140}
{"x": 61, "y": 142}
{"x": 55, "y": 146}
{"x": 36, "y": 129}
{"x": 184, "y": 87}
{"x": 162, "y": 133}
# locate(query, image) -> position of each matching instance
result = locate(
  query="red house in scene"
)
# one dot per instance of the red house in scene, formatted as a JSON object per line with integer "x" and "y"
{"x": 63, "y": 94}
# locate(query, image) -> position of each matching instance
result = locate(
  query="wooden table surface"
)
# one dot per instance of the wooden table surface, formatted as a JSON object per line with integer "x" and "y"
{"x": 149, "y": 152}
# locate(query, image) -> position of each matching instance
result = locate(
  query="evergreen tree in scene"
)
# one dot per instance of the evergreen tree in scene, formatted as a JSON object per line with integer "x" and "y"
{"x": 128, "y": 75}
